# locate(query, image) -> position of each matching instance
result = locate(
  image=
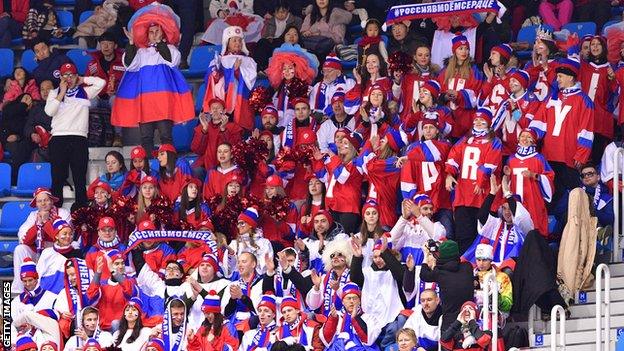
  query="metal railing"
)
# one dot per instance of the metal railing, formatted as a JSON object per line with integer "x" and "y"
{"x": 440, "y": 333}
{"x": 557, "y": 310}
{"x": 490, "y": 282}
{"x": 618, "y": 174}
{"x": 603, "y": 295}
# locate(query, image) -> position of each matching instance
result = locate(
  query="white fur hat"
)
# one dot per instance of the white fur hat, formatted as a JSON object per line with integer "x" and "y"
{"x": 337, "y": 245}
{"x": 230, "y": 32}
{"x": 484, "y": 251}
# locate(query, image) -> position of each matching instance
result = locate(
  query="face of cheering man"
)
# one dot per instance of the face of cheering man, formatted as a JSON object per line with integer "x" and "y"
{"x": 266, "y": 315}
{"x": 590, "y": 177}
{"x": 155, "y": 34}
{"x": 429, "y": 301}
{"x": 338, "y": 260}
{"x": 118, "y": 266}
{"x": 430, "y": 132}
{"x": 378, "y": 260}
{"x": 269, "y": 121}
{"x": 351, "y": 302}
{"x": 42, "y": 51}
{"x": 172, "y": 271}
{"x": 108, "y": 234}
{"x": 507, "y": 214}
{"x": 177, "y": 315}
{"x": 302, "y": 111}
{"x": 206, "y": 272}
{"x": 44, "y": 203}
{"x": 290, "y": 314}
{"x": 30, "y": 283}
{"x": 321, "y": 224}
{"x": 565, "y": 81}
{"x": 71, "y": 276}
{"x": 89, "y": 322}
{"x": 246, "y": 264}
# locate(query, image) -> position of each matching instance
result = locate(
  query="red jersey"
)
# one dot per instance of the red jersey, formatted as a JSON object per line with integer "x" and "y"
{"x": 542, "y": 79}
{"x": 619, "y": 78}
{"x": 471, "y": 161}
{"x": 356, "y": 97}
{"x": 205, "y": 144}
{"x": 424, "y": 173}
{"x": 410, "y": 90}
{"x": 283, "y": 231}
{"x": 565, "y": 124}
{"x": 467, "y": 90}
{"x": 596, "y": 84}
{"x": 534, "y": 193}
{"x": 307, "y": 228}
{"x": 383, "y": 177}
{"x": 216, "y": 180}
{"x": 495, "y": 92}
{"x": 412, "y": 123}
{"x": 293, "y": 136}
{"x": 171, "y": 187}
{"x": 512, "y": 123}
{"x": 344, "y": 183}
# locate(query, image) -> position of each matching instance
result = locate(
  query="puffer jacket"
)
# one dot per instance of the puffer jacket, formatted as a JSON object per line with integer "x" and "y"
{"x": 14, "y": 90}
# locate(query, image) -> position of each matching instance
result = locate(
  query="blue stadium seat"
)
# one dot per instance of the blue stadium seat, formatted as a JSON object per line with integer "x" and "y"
{"x": 200, "y": 59}
{"x": 6, "y": 251}
{"x": 5, "y": 179}
{"x": 528, "y": 34}
{"x": 581, "y": 28}
{"x": 85, "y": 15}
{"x": 32, "y": 176}
{"x": 6, "y": 62}
{"x": 14, "y": 213}
{"x": 182, "y": 137}
{"x": 64, "y": 2}
{"x": 28, "y": 60}
{"x": 608, "y": 24}
{"x": 65, "y": 21}
{"x": 262, "y": 82}
{"x": 154, "y": 164}
{"x": 199, "y": 97}
{"x": 81, "y": 58}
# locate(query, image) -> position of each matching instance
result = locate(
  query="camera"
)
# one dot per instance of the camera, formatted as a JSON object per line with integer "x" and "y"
{"x": 432, "y": 246}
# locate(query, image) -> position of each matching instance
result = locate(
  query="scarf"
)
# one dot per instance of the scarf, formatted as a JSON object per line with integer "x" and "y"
{"x": 77, "y": 296}
{"x": 262, "y": 337}
{"x": 329, "y": 297}
{"x": 172, "y": 340}
{"x": 572, "y": 90}
{"x": 63, "y": 250}
{"x": 108, "y": 245}
{"x": 76, "y": 92}
{"x": 526, "y": 151}
{"x": 291, "y": 131}
{"x": 246, "y": 289}
{"x": 479, "y": 133}
{"x": 598, "y": 201}
{"x": 297, "y": 326}
{"x": 32, "y": 297}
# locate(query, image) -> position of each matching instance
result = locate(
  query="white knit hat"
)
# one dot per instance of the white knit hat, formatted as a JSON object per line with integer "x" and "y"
{"x": 230, "y": 32}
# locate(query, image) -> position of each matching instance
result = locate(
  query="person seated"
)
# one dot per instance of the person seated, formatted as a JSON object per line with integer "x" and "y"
{"x": 48, "y": 62}
{"x": 37, "y": 128}
{"x": 272, "y": 33}
{"x": 22, "y": 83}
{"x": 43, "y": 23}
{"x": 424, "y": 321}
{"x": 32, "y": 240}
{"x": 464, "y": 333}
{"x": 89, "y": 329}
{"x": 14, "y": 117}
{"x": 406, "y": 341}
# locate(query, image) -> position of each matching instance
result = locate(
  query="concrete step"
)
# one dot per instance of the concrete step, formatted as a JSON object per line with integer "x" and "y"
{"x": 581, "y": 324}
{"x": 587, "y": 338}
{"x": 579, "y": 347}
{"x": 589, "y": 310}
{"x": 615, "y": 295}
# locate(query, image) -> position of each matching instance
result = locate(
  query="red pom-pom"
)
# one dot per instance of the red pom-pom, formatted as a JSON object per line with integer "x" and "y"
{"x": 259, "y": 98}
{"x": 248, "y": 154}
{"x": 400, "y": 62}
{"x": 212, "y": 292}
{"x": 296, "y": 88}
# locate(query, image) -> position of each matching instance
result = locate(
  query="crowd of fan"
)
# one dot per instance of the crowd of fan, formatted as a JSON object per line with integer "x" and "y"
{"x": 345, "y": 210}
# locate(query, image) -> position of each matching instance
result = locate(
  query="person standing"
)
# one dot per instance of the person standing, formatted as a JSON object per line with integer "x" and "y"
{"x": 69, "y": 107}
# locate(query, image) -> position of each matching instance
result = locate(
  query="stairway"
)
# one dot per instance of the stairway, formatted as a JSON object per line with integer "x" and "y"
{"x": 580, "y": 328}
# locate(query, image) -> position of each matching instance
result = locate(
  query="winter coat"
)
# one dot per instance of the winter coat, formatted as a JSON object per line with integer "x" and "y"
{"x": 455, "y": 280}
{"x": 578, "y": 243}
{"x": 101, "y": 19}
{"x": 334, "y": 29}
{"x": 14, "y": 90}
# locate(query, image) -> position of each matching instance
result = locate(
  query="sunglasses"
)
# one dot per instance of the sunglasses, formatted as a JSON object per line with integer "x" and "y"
{"x": 588, "y": 174}
{"x": 336, "y": 254}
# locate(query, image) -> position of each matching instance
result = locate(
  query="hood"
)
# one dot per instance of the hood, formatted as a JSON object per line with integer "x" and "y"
{"x": 451, "y": 265}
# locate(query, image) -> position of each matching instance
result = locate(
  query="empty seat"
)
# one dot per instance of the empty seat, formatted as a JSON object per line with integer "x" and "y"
{"x": 5, "y": 179}
{"x": 64, "y": 2}
{"x": 65, "y": 21}
{"x": 32, "y": 176}
{"x": 14, "y": 213}
{"x": 28, "y": 60}
{"x": 182, "y": 137}
{"x": 7, "y": 247}
{"x": 581, "y": 28}
{"x": 6, "y": 62}
{"x": 80, "y": 58}
{"x": 84, "y": 16}
{"x": 200, "y": 59}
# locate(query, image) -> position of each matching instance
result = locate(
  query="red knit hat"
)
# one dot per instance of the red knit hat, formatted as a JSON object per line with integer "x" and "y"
{"x": 299, "y": 100}
{"x": 370, "y": 203}
{"x": 138, "y": 152}
{"x": 459, "y": 40}
{"x": 211, "y": 260}
{"x": 327, "y": 215}
{"x": 274, "y": 180}
{"x": 289, "y": 301}
{"x": 167, "y": 147}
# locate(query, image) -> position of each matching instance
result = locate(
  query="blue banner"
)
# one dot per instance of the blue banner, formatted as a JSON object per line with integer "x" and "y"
{"x": 443, "y": 8}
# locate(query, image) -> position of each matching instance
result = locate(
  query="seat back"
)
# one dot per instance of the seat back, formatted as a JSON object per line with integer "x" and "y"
{"x": 581, "y": 28}
{"x": 28, "y": 60}
{"x": 14, "y": 213}
{"x": 6, "y": 62}
{"x": 80, "y": 58}
{"x": 85, "y": 15}
{"x": 34, "y": 175}
{"x": 5, "y": 178}
{"x": 65, "y": 19}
